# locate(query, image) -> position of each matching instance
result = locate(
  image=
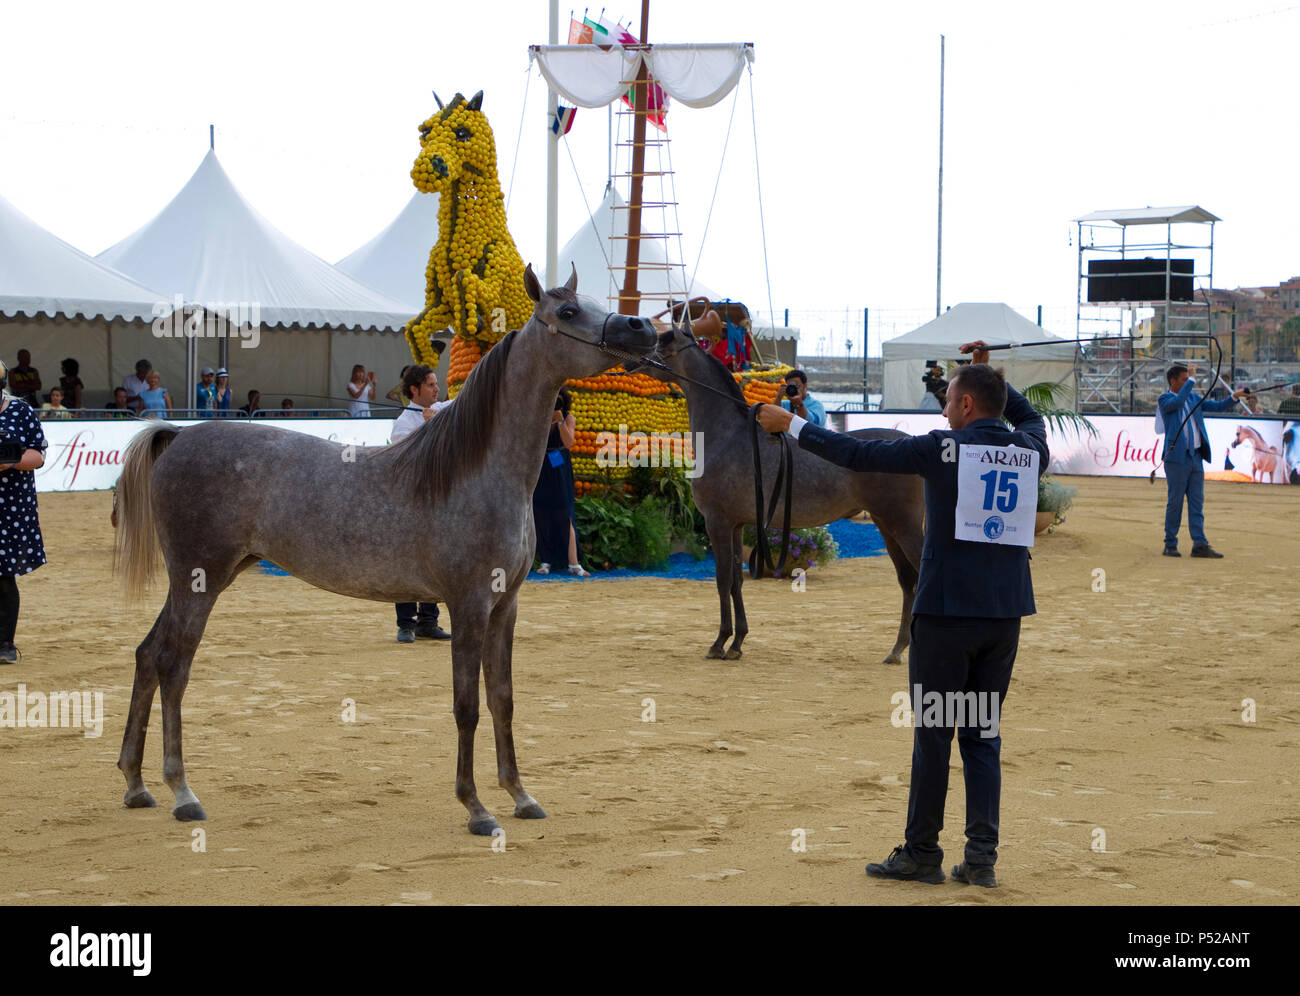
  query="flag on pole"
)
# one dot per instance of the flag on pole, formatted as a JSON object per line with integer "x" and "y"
{"x": 563, "y": 119}
{"x": 579, "y": 33}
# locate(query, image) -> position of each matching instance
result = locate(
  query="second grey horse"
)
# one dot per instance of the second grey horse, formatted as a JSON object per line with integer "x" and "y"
{"x": 724, "y": 487}
{"x": 445, "y": 515}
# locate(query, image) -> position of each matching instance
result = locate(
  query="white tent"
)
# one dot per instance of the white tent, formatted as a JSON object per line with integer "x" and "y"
{"x": 212, "y": 248}
{"x": 57, "y": 302}
{"x": 997, "y": 325}
{"x": 394, "y": 261}
{"x": 601, "y": 241}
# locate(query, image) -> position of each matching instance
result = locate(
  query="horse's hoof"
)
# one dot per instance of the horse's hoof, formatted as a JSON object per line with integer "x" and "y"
{"x": 483, "y": 826}
{"x": 142, "y": 799}
{"x": 715, "y": 653}
{"x": 189, "y": 811}
{"x": 733, "y": 654}
{"x": 532, "y": 811}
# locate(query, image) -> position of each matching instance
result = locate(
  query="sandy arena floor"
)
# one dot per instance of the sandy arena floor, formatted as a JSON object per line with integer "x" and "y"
{"x": 1125, "y": 717}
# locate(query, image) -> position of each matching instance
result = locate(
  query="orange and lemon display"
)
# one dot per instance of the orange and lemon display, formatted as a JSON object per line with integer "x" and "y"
{"x": 475, "y": 278}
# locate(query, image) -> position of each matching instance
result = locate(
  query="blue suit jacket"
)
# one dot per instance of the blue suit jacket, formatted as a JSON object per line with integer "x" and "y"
{"x": 1172, "y": 411}
{"x": 958, "y": 577}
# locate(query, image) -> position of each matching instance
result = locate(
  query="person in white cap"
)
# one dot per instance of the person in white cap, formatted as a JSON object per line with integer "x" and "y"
{"x": 223, "y": 390}
{"x": 205, "y": 395}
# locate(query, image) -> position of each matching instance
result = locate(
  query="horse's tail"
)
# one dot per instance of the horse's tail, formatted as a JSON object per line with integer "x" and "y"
{"x": 136, "y": 553}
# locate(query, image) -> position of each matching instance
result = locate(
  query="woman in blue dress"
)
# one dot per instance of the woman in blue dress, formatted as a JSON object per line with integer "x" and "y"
{"x": 21, "y": 547}
{"x": 157, "y": 400}
{"x": 553, "y": 512}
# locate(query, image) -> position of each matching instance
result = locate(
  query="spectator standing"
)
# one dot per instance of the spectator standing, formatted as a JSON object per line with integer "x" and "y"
{"x": 205, "y": 395}
{"x": 254, "y": 403}
{"x": 119, "y": 407}
{"x": 25, "y": 379}
{"x": 420, "y": 387}
{"x": 71, "y": 383}
{"x": 1291, "y": 405}
{"x": 223, "y": 390}
{"x": 361, "y": 391}
{"x": 21, "y": 547}
{"x": 553, "y": 504}
{"x": 137, "y": 384}
{"x": 157, "y": 400}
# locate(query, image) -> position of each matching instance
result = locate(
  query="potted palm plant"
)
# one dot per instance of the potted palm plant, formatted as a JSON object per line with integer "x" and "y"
{"x": 1054, "y": 498}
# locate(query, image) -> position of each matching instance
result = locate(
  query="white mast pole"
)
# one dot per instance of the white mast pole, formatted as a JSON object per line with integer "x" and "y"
{"x": 552, "y": 166}
{"x": 938, "y": 268}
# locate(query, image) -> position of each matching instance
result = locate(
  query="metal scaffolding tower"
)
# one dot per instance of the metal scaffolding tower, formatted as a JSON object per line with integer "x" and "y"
{"x": 1134, "y": 284}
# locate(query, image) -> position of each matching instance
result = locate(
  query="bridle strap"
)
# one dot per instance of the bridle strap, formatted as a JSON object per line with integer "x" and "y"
{"x": 760, "y": 559}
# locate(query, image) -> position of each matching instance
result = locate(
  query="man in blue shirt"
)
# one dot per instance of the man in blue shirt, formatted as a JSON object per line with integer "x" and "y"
{"x": 1186, "y": 452}
{"x": 205, "y": 395}
{"x": 800, "y": 402}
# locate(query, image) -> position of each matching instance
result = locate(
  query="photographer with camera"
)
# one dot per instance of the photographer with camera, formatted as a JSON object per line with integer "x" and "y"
{"x": 22, "y": 451}
{"x": 936, "y": 388}
{"x": 798, "y": 400}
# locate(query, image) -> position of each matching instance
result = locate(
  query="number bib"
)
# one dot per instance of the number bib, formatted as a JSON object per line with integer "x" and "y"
{"x": 997, "y": 494}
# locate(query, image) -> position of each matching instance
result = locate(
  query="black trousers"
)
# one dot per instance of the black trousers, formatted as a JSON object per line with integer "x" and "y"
{"x": 950, "y": 657}
{"x": 8, "y": 609}
{"x": 411, "y": 613}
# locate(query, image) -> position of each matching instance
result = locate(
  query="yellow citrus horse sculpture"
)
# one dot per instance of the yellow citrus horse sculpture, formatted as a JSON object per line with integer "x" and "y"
{"x": 475, "y": 274}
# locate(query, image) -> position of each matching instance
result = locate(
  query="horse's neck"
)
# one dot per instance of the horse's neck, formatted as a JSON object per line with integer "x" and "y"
{"x": 525, "y": 402}
{"x": 708, "y": 411}
{"x": 454, "y": 206}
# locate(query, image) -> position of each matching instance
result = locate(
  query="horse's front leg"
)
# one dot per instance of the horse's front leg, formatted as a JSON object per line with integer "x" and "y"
{"x": 726, "y": 556}
{"x": 737, "y": 579}
{"x": 467, "y": 639}
{"x": 497, "y": 676}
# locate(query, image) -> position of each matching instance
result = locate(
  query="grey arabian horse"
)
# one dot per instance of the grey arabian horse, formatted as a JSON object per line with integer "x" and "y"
{"x": 465, "y": 479}
{"x": 823, "y": 492}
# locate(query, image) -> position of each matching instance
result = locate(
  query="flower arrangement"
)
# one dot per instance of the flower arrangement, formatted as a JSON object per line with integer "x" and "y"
{"x": 809, "y": 548}
{"x": 1054, "y": 497}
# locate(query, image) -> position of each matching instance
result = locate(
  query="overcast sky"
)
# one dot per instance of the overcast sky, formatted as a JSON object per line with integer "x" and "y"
{"x": 1053, "y": 110}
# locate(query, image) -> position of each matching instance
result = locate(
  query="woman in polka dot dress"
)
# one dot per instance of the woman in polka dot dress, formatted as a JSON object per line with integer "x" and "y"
{"x": 21, "y": 548}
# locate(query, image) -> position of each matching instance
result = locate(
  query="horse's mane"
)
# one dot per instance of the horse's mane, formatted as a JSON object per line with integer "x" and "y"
{"x": 723, "y": 374}
{"x": 455, "y": 442}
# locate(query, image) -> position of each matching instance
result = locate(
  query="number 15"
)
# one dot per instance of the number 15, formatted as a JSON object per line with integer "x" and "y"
{"x": 1005, "y": 489}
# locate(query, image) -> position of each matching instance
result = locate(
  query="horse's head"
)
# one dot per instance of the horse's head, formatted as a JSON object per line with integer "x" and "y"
{"x": 456, "y": 143}
{"x": 587, "y": 338}
{"x": 669, "y": 345}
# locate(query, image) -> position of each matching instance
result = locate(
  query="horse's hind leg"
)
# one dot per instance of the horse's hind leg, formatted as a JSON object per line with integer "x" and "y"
{"x": 180, "y": 639}
{"x": 737, "y": 579}
{"x": 905, "y": 568}
{"x": 137, "y": 720}
{"x": 498, "y": 678}
{"x": 726, "y": 558}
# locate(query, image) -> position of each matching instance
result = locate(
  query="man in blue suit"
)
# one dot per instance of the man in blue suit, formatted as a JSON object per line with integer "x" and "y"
{"x": 981, "y": 491}
{"x": 1186, "y": 453}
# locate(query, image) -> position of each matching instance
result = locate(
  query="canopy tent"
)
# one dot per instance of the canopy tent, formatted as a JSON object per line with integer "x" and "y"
{"x": 996, "y": 324}
{"x": 210, "y": 247}
{"x": 601, "y": 240}
{"x": 393, "y": 262}
{"x": 57, "y": 302}
{"x": 593, "y": 76}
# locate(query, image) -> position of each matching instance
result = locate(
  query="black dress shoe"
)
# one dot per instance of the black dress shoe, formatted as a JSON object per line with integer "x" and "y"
{"x": 405, "y": 635}
{"x": 1205, "y": 550}
{"x": 901, "y": 865}
{"x": 434, "y": 632}
{"x": 974, "y": 875}
{"x": 1171, "y": 551}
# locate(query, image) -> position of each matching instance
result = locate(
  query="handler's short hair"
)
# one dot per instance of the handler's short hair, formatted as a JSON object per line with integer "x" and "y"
{"x": 799, "y": 374}
{"x": 413, "y": 377}
{"x": 986, "y": 385}
{"x": 1174, "y": 371}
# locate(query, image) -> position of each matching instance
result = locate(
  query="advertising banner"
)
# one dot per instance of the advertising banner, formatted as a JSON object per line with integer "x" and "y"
{"x": 1258, "y": 450}
{"x": 87, "y": 455}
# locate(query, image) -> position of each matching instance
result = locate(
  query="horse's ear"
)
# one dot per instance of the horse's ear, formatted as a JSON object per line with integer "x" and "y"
{"x": 437, "y": 99}
{"x": 571, "y": 284}
{"x": 686, "y": 320}
{"x": 531, "y": 285}
{"x": 446, "y": 111}
{"x": 475, "y": 102}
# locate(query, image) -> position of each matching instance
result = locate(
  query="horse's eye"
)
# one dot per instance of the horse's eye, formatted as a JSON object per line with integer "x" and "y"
{"x": 424, "y": 132}
{"x": 462, "y": 134}
{"x": 568, "y": 314}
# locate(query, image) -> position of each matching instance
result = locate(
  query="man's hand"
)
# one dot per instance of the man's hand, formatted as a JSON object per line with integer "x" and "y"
{"x": 979, "y": 347}
{"x": 774, "y": 418}
{"x": 1241, "y": 393}
{"x": 428, "y": 413}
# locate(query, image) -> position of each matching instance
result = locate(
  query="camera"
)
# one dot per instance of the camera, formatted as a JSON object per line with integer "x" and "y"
{"x": 11, "y": 451}
{"x": 791, "y": 390}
